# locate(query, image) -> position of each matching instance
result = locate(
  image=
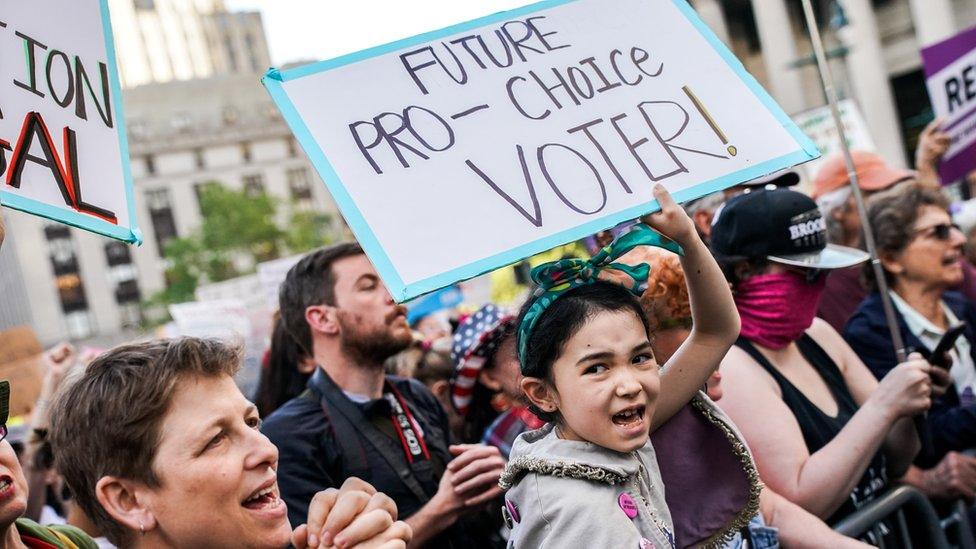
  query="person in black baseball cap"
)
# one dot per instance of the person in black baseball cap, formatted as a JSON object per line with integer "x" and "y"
{"x": 825, "y": 433}
{"x": 782, "y": 226}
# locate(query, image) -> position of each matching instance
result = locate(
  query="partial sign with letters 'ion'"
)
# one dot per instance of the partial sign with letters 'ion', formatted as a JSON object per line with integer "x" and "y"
{"x": 462, "y": 150}
{"x": 63, "y": 151}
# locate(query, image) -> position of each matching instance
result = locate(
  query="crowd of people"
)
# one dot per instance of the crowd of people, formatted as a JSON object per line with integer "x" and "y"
{"x": 719, "y": 374}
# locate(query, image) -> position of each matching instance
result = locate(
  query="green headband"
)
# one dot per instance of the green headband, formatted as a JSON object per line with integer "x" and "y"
{"x": 558, "y": 277}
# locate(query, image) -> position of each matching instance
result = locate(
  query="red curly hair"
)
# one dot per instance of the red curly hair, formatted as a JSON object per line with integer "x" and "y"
{"x": 666, "y": 299}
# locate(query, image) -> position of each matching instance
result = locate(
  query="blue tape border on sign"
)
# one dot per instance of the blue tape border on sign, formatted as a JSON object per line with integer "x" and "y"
{"x": 130, "y": 234}
{"x": 274, "y": 79}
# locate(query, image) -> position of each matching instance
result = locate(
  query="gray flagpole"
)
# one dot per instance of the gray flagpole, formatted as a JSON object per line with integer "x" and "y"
{"x": 828, "y": 85}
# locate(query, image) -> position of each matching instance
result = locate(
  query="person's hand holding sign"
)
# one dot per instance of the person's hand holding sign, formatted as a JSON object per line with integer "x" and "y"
{"x": 933, "y": 143}
{"x": 671, "y": 221}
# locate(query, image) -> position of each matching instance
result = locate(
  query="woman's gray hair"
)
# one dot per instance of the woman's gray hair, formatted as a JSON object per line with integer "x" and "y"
{"x": 830, "y": 203}
{"x": 892, "y": 215}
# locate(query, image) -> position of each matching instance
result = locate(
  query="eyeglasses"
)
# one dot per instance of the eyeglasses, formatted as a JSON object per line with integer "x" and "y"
{"x": 942, "y": 231}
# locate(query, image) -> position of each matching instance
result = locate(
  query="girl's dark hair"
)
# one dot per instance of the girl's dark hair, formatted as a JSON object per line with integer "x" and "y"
{"x": 280, "y": 379}
{"x": 561, "y": 320}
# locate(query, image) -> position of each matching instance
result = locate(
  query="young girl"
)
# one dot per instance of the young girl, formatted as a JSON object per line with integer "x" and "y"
{"x": 590, "y": 478}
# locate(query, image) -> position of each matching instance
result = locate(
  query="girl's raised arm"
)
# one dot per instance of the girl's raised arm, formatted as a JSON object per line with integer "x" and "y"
{"x": 715, "y": 319}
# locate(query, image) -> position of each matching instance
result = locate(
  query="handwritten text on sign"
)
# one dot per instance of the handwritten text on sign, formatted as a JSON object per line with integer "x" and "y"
{"x": 463, "y": 151}
{"x": 60, "y": 152}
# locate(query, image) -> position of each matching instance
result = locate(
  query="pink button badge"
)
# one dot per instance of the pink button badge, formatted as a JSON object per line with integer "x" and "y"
{"x": 627, "y": 504}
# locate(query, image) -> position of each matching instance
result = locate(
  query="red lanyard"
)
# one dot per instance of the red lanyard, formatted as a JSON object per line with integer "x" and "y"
{"x": 411, "y": 436}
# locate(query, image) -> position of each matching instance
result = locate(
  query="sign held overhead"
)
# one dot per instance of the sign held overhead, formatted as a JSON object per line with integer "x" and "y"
{"x": 459, "y": 151}
{"x": 63, "y": 151}
{"x": 950, "y": 71}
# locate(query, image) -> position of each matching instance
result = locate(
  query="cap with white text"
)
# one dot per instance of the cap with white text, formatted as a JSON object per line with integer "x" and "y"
{"x": 779, "y": 225}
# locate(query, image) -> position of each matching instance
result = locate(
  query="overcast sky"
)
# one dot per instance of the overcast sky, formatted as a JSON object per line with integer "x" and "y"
{"x": 322, "y": 29}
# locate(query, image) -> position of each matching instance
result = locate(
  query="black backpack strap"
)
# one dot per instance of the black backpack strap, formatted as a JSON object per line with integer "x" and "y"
{"x": 354, "y": 459}
{"x": 357, "y": 425}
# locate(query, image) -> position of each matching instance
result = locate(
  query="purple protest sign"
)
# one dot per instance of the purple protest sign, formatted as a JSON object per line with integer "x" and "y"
{"x": 950, "y": 70}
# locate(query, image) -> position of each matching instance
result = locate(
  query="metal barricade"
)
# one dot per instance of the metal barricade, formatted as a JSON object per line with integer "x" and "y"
{"x": 904, "y": 503}
{"x": 957, "y": 526}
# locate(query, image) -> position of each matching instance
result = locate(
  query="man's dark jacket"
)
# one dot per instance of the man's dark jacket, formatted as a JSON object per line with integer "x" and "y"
{"x": 320, "y": 448}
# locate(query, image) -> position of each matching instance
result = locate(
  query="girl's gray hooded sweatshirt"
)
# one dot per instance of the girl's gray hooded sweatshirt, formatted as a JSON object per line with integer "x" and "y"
{"x": 565, "y": 493}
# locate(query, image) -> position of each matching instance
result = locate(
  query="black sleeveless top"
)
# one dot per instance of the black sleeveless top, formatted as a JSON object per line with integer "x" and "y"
{"x": 817, "y": 427}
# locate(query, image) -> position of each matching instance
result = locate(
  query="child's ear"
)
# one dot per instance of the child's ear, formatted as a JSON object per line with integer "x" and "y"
{"x": 540, "y": 393}
{"x": 441, "y": 389}
{"x": 487, "y": 378}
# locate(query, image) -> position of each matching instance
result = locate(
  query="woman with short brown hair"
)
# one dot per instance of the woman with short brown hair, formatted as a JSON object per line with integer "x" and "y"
{"x": 161, "y": 449}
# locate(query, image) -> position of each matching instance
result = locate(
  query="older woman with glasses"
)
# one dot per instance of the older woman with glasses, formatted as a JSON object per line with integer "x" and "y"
{"x": 161, "y": 449}
{"x": 921, "y": 252}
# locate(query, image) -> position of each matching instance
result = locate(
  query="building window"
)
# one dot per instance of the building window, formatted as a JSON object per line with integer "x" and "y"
{"x": 117, "y": 253}
{"x": 161, "y": 216}
{"x": 61, "y": 250}
{"x": 231, "y": 54}
{"x": 56, "y": 231}
{"x": 127, "y": 292}
{"x": 252, "y": 54}
{"x": 79, "y": 324}
{"x": 292, "y": 147}
{"x": 144, "y": 4}
{"x": 246, "y": 152}
{"x": 254, "y": 185}
{"x": 130, "y": 314}
{"x": 71, "y": 292}
{"x": 198, "y": 160}
{"x": 299, "y": 184}
{"x": 150, "y": 164}
{"x": 198, "y": 189}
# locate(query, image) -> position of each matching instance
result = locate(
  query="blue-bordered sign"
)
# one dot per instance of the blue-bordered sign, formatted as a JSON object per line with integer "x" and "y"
{"x": 63, "y": 149}
{"x": 458, "y": 151}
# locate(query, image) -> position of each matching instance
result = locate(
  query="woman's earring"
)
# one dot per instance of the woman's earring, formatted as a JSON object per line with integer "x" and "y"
{"x": 142, "y": 528}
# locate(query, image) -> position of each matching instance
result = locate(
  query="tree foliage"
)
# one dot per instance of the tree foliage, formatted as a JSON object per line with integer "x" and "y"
{"x": 238, "y": 232}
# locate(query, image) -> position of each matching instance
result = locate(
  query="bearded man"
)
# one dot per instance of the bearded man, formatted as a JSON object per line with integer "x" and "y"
{"x": 354, "y": 421}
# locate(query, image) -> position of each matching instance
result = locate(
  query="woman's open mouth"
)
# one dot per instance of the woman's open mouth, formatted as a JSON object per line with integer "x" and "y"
{"x": 262, "y": 499}
{"x": 7, "y": 488}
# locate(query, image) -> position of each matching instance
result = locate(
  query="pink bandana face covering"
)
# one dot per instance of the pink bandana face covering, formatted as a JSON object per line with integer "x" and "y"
{"x": 777, "y": 308}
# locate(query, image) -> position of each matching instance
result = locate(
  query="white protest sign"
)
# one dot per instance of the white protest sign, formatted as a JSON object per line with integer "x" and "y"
{"x": 272, "y": 274}
{"x": 455, "y": 152}
{"x": 818, "y": 125}
{"x": 222, "y": 318}
{"x": 63, "y": 151}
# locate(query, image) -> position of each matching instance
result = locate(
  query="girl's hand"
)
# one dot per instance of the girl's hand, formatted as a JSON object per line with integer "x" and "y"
{"x": 671, "y": 221}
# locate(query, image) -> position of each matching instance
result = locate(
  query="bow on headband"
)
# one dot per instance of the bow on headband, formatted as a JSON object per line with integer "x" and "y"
{"x": 558, "y": 277}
